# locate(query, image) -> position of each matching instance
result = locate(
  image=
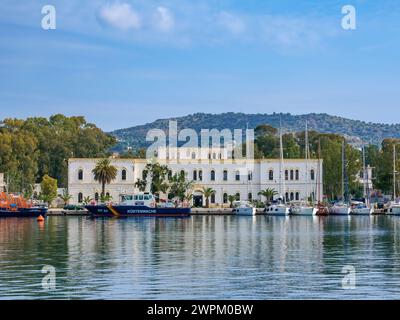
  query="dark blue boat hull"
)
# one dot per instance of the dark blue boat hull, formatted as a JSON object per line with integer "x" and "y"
{"x": 136, "y": 211}
{"x": 23, "y": 213}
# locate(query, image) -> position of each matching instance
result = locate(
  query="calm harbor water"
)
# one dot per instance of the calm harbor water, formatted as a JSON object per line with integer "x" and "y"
{"x": 202, "y": 257}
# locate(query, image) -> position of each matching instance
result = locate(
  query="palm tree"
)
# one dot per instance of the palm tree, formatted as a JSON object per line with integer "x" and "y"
{"x": 231, "y": 198}
{"x": 86, "y": 200}
{"x": 104, "y": 173}
{"x": 268, "y": 193}
{"x": 208, "y": 192}
{"x": 65, "y": 197}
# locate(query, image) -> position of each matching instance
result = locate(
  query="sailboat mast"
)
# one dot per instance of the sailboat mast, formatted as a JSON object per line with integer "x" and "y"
{"x": 319, "y": 171}
{"x": 394, "y": 172}
{"x": 364, "y": 174}
{"x": 346, "y": 180}
{"x": 281, "y": 180}
{"x": 343, "y": 170}
{"x": 306, "y": 155}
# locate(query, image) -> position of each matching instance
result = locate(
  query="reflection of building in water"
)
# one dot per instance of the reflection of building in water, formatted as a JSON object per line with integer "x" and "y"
{"x": 241, "y": 177}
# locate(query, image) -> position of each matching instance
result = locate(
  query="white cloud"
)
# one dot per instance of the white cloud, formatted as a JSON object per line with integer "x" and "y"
{"x": 231, "y": 22}
{"x": 164, "y": 19}
{"x": 121, "y": 16}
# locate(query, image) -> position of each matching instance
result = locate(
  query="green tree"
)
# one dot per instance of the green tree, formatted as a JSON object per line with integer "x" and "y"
{"x": 180, "y": 188}
{"x": 104, "y": 172}
{"x": 157, "y": 174}
{"x": 86, "y": 200}
{"x": 231, "y": 199}
{"x": 48, "y": 189}
{"x": 269, "y": 194}
{"x": 208, "y": 192}
{"x": 66, "y": 197}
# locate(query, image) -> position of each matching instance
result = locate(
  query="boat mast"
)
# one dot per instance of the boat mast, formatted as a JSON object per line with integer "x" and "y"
{"x": 345, "y": 180}
{"x": 365, "y": 178}
{"x": 342, "y": 170}
{"x": 306, "y": 155}
{"x": 394, "y": 171}
{"x": 319, "y": 172}
{"x": 281, "y": 180}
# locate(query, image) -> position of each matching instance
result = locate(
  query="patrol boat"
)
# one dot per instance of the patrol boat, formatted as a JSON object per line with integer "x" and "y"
{"x": 137, "y": 205}
{"x": 15, "y": 206}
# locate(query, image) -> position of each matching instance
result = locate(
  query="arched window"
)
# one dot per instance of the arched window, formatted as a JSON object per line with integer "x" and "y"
{"x": 250, "y": 175}
{"x": 297, "y": 174}
{"x": 212, "y": 198}
{"x": 225, "y": 198}
{"x": 291, "y": 196}
{"x": 297, "y": 196}
{"x": 312, "y": 174}
{"x": 237, "y": 175}
{"x": 182, "y": 173}
{"x": 194, "y": 175}
{"x": 291, "y": 174}
{"x": 286, "y": 175}
{"x": 271, "y": 175}
{"x": 250, "y": 197}
{"x": 201, "y": 175}
{"x": 80, "y": 197}
{"x": 237, "y": 196}
{"x": 123, "y": 174}
{"x": 225, "y": 175}
{"x": 287, "y": 196}
{"x": 212, "y": 175}
{"x": 96, "y": 196}
{"x": 108, "y": 194}
{"x": 80, "y": 174}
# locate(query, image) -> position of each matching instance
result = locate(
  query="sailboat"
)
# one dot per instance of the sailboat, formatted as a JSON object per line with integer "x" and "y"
{"x": 394, "y": 206}
{"x": 303, "y": 208}
{"x": 342, "y": 207}
{"x": 363, "y": 208}
{"x": 278, "y": 207}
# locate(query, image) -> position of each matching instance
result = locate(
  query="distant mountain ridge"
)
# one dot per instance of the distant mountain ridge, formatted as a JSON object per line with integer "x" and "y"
{"x": 354, "y": 130}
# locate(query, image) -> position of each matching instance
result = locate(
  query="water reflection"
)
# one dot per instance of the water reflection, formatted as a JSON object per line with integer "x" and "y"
{"x": 203, "y": 257}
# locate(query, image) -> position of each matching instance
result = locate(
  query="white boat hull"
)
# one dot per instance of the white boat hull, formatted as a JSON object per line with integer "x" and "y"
{"x": 362, "y": 211}
{"x": 393, "y": 211}
{"x": 303, "y": 211}
{"x": 278, "y": 210}
{"x": 335, "y": 210}
{"x": 244, "y": 211}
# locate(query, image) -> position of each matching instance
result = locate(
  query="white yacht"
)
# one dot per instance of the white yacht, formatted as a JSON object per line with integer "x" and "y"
{"x": 277, "y": 208}
{"x": 243, "y": 208}
{"x": 393, "y": 208}
{"x": 340, "y": 208}
{"x": 302, "y": 209}
{"x": 360, "y": 208}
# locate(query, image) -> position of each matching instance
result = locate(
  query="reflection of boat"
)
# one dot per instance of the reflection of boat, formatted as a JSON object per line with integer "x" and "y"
{"x": 18, "y": 207}
{"x": 302, "y": 209}
{"x": 137, "y": 205}
{"x": 243, "y": 208}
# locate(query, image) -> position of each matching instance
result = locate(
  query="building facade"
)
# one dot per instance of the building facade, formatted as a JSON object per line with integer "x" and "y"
{"x": 241, "y": 177}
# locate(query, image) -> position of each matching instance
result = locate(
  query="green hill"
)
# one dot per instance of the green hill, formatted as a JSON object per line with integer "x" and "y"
{"x": 355, "y": 130}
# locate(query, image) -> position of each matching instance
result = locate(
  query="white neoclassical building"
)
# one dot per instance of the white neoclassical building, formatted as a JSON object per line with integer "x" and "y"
{"x": 241, "y": 177}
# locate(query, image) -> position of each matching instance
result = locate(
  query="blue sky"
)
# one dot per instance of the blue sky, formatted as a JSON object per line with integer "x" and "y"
{"x": 122, "y": 63}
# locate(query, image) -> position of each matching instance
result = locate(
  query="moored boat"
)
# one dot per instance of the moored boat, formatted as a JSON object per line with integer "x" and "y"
{"x": 243, "y": 208}
{"x": 340, "y": 208}
{"x": 302, "y": 209}
{"x": 137, "y": 205}
{"x": 360, "y": 208}
{"x": 14, "y": 206}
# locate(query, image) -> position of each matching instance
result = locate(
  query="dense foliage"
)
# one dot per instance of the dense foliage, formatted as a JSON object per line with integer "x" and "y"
{"x": 31, "y": 148}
